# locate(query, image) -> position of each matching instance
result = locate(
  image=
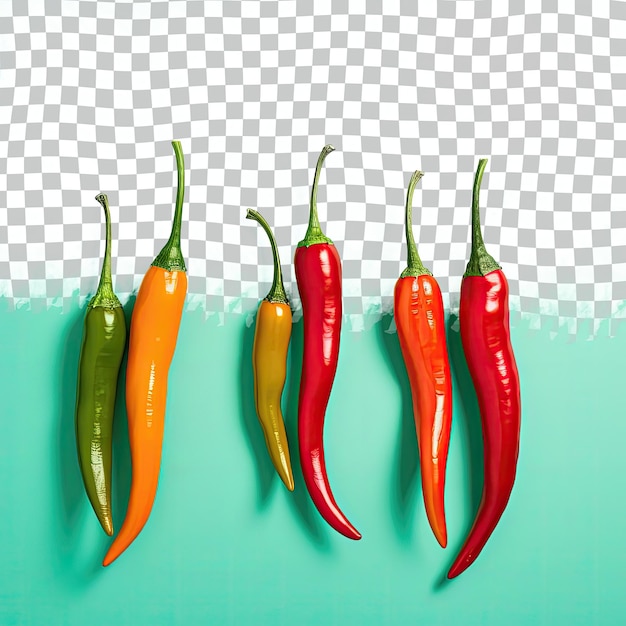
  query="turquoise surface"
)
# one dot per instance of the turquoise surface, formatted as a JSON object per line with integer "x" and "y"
{"x": 227, "y": 544}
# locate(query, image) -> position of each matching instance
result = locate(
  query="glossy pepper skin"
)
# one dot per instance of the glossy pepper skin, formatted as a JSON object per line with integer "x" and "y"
{"x": 269, "y": 362}
{"x": 153, "y": 333}
{"x": 318, "y": 274}
{"x": 420, "y": 321}
{"x": 484, "y": 325}
{"x": 102, "y": 348}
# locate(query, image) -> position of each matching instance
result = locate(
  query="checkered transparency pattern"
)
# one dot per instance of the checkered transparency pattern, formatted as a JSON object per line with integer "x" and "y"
{"x": 92, "y": 93}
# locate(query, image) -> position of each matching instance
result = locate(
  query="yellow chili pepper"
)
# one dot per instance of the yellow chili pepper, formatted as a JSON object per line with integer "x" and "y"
{"x": 269, "y": 361}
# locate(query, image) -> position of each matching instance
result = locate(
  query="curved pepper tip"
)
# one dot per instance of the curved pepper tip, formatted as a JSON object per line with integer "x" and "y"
{"x": 107, "y": 526}
{"x": 458, "y": 567}
{"x": 356, "y": 535}
{"x": 438, "y": 526}
{"x": 349, "y": 531}
{"x": 113, "y": 553}
{"x": 110, "y": 557}
{"x": 289, "y": 482}
{"x": 286, "y": 475}
{"x": 437, "y": 522}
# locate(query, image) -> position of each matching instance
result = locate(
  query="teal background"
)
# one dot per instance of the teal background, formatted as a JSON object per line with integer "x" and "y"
{"x": 227, "y": 544}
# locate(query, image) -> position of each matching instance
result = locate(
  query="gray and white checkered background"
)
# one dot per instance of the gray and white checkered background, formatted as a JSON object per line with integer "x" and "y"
{"x": 92, "y": 93}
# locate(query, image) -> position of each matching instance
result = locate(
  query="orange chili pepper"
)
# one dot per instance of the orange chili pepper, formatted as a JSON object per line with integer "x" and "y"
{"x": 269, "y": 361}
{"x": 153, "y": 333}
{"x": 419, "y": 316}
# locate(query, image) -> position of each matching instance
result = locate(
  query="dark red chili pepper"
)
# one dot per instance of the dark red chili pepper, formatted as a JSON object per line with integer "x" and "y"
{"x": 484, "y": 322}
{"x": 318, "y": 273}
{"x": 419, "y": 316}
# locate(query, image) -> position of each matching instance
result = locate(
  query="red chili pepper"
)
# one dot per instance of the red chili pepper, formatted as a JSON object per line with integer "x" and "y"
{"x": 419, "y": 317}
{"x": 484, "y": 322}
{"x": 318, "y": 274}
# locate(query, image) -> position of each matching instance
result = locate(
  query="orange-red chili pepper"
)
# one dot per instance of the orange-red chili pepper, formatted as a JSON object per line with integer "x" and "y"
{"x": 153, "y": 333}
{"x": 419, "y": 316}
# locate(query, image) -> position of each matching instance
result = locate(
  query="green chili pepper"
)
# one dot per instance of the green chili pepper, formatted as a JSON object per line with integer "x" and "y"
{"x": 104, "y": 340}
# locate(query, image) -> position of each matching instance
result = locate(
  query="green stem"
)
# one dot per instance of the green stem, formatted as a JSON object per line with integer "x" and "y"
{"x": 314, "y": 232}
{"x": 171, "y": 257}
{"x": 480, "y": 262}
{"x": 277, "y": 291}
{"x": 415, "y": 267}
{"x": 105, "y": 296}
